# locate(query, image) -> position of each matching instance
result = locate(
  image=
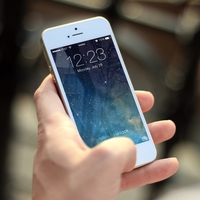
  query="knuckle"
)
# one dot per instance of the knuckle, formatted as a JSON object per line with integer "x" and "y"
{"x": 103, "y": 153}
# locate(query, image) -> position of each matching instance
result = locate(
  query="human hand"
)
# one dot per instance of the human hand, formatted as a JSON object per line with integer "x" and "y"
{"x": 66, "y": 169}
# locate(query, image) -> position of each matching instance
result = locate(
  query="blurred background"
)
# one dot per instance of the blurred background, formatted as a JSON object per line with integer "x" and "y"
{"x": 160, "y": 43}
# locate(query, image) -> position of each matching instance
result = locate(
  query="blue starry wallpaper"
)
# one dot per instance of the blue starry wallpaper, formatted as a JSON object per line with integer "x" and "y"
{"x": 98, "y": 92}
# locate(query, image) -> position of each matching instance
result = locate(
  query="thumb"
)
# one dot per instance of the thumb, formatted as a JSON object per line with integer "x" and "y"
{"x": 121, "y": 151}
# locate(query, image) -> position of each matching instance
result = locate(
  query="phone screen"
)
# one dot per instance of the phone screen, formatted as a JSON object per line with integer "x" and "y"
{"x": 98, "y": 92}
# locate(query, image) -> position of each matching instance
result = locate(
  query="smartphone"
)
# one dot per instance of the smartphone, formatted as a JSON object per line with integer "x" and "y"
{"x": 90, "y": 74}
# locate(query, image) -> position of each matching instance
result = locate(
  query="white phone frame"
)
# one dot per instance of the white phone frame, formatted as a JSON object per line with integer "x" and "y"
{"x": 92, "y": 28}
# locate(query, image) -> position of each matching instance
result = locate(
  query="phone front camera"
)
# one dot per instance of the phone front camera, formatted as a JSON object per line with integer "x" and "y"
{"x": 76, "y": 29}
{"x": 68, "y": 36}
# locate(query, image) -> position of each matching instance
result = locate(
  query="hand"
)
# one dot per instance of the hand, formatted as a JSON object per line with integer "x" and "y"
{"x": 66, "y": 169}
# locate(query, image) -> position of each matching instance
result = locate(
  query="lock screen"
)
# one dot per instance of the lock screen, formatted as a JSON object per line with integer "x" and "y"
{"x": 98, "y": 92}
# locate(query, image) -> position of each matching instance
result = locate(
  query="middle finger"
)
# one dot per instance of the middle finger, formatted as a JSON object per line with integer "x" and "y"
{"x": 162, "y": 130}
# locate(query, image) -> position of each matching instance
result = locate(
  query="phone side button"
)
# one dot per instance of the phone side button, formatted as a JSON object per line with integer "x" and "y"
{"x": 51, "y": 71}
{"x": 54, "y": 80}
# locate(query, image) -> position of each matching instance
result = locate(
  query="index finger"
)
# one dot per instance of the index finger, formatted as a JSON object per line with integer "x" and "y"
{"x": 146, "y": 100}
{"x": 47, "y": 100}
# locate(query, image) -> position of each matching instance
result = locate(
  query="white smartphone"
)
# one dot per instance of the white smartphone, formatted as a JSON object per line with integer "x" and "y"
{"x": 94, "y": 84}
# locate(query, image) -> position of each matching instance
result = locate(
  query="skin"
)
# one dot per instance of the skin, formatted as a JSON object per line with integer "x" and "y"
{"x": 66, "y": 169}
